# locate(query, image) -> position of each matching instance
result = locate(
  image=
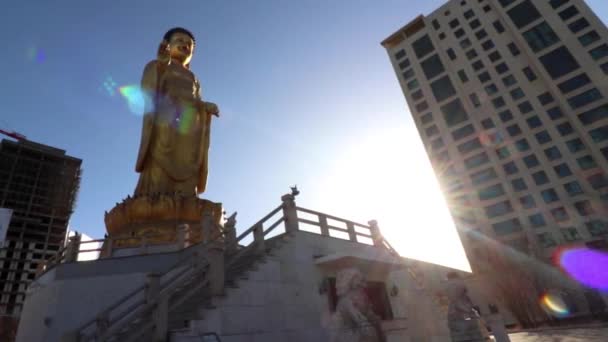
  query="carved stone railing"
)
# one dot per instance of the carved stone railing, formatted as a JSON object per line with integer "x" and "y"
{"x": 107, "y": 247}
{"x": 146, "y": 308}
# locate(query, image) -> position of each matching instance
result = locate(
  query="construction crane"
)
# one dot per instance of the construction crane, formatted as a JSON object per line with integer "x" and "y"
{"x": 13, "y": 134}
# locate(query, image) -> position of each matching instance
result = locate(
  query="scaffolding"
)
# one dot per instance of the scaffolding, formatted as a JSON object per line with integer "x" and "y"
{"x": 40, "y": 184}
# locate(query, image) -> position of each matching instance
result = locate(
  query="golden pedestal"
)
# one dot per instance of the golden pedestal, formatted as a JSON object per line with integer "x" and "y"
{"x": 157, "y": 217}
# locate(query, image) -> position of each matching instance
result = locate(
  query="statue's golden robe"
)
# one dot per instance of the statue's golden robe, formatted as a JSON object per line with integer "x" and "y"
{"x": 175, "y": 138}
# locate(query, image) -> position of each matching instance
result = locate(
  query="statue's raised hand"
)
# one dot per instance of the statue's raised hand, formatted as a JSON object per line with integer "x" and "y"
{"x": 211, "y": 108}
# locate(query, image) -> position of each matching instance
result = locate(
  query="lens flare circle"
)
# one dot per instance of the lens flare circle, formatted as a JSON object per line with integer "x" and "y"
{"x": 555, "y": 305}
{"x": 136, "y": 98}
{"x": 585, "y": 265}
{"x": 34, "y": 54}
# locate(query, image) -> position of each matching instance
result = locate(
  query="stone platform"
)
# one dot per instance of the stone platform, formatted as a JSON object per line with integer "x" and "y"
{"x": 158, "y": 216}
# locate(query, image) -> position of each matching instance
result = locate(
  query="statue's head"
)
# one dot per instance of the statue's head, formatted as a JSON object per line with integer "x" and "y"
{"x": 178, "y": 44}
{"x": 349, "y": 279}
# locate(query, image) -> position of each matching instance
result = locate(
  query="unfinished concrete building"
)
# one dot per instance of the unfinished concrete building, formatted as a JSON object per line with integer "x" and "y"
{"x": 39, "y": 183}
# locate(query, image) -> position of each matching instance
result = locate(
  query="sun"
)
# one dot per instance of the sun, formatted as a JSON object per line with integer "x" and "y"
{"x": 389, "y": 176}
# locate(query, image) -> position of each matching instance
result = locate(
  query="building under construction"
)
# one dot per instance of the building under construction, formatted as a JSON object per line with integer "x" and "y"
{"x": 39, "y": 183}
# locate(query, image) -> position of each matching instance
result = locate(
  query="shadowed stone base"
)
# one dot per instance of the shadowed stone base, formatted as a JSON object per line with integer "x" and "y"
{"x": 157, "y": 217}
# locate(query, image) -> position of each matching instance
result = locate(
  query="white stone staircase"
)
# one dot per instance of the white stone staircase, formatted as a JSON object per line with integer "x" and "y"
{"x": 171, "y": 301}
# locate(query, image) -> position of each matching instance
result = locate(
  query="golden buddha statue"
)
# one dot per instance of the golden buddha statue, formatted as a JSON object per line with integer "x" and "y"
{"x": 173, "y": 153}
{"x": 175, "y": 138}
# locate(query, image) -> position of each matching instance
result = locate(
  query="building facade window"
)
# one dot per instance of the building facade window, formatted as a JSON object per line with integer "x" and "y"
{"x": 494, "y": 56}
{"x": 498, "y": 209}
{"x": 562, "y": 170}
{"x": 584, "y": 98}
{"x": 560, "y": 214}
{"x": 553, "y": 153}
{"x": 559, "y": 62}
{"x": 513, "y": 49}
{"x": 549, "y": 196}
{"x": 423, "y": 46}
{"x": 519, "y": 185}
{"x": 432, "y": 66}
{"x": 454, "y": 113}
{"x": 546, "y": 240}
{"x": 570, "y": 234}
{"x": 593, "y": 115}
{"x": 531, "y": 161}
{"x": 522, "y": 145}
{"x": 498, "y": 26}
{"x": 540, "y": 37}
{"x": 476, "y": 160}
{"x": 574, "y": 83}
{"x": 578, "y": 25}
{"x": 542, "y": 137}
{"x": 505, "y": 115}
{"x": 545, "y": 98}
{"x": 510, "y": 168}
{"x": 599, "y": 52}
{"x": 527, "y": 202}
{"x": 523, "y": 14}
{"x": 540, "y": 178}
{"x": 573, "y": 188}
{"x": 565, "y": 128}
{"x": 469, "y": 146}
{"x": 507, "y": 227}
{"x": 483, "y": 176}
{"x": 443, "y": 89}
{"x": 555, "y": 113}
{"x": 537, "y": 220}
{"x": 584, "y": 208}
{"x": 463, "y": 76}
{"x": 586, "y": 162}
{"x": 490, "y": 192}
{"x": 568, "y": 13}
{"x": 599, "y": 134}
{"x": 588, "y": 38}
{"x": 575, "y": 145}
{"x": 481, "y": 34}
{"x": 534, "y": 122}
{"x": 597, "y": 227}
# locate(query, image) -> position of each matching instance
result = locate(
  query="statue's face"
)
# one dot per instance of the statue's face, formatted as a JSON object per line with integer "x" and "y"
{"x": 181, "y": 47}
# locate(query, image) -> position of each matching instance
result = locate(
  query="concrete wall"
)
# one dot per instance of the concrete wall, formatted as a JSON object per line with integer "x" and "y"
{"x": 72, "y": 294}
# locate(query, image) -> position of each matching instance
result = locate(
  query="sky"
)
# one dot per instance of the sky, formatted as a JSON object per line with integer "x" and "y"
{"x": 307, "y": 96}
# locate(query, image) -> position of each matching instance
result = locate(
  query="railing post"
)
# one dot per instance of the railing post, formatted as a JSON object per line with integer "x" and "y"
{"x": 144, "y": 245}
{"x": 323, "y": 224}
{"x": 207, "y": 225}
{"x": 72, "y": 336}
{"x": 182, "y": 236}
{"x": 161, "y": 319}
{"x": 230, "y": 234}
{"x": 258, "y": 238}
{"x": 375, "y": 233}
{"x": 109, "y": 242}
{"x": 290, "y": 213}
{"x": 217, "y": 271}
{"x": 71, "y": 251}
{"x": 352, "y": 235}
{"x": 152, "y": 290}
{"x": 102, "y": 323}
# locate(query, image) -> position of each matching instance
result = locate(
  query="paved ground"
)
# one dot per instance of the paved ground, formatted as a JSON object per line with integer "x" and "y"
{"x": 563, "y": 335}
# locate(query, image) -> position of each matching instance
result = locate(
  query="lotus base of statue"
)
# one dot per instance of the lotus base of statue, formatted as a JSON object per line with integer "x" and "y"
{"x": 156, "y": 218}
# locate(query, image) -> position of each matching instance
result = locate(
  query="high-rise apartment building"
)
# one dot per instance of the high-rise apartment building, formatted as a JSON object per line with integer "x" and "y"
{"x": 510, "y": 98}
{"x": 39, "y": 183}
